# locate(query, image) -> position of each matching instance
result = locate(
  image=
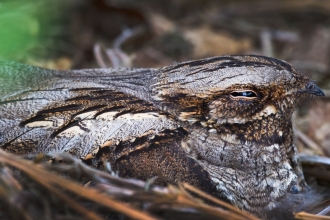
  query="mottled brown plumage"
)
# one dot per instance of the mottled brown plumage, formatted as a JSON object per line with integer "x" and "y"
{"x": 222, "y": 124}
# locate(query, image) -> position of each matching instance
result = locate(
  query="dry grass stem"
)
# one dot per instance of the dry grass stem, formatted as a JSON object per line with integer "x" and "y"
{"x": 108, "y": 195}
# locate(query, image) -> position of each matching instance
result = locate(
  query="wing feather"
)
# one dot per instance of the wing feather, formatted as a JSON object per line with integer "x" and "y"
{"x": 77, "y": 112}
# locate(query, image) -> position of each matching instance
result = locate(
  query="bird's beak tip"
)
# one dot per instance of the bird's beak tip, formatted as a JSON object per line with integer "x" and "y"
{"x": 312, "y": 88}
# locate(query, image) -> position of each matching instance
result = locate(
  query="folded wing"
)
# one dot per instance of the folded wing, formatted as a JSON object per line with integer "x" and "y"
{"x": 79, "y": 112}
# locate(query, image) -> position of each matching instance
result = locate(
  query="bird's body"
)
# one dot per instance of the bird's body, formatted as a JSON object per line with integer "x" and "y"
{"x": 222, "y": 124}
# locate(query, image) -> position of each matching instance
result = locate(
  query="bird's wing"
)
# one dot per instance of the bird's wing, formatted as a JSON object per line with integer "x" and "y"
{"x": 76, "y": 112}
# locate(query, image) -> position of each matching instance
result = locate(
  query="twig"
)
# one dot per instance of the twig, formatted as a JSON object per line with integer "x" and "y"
{"x": 266, "y": 43}
{"x": 314, "y": 159}
{"x": 219, "y": 202}
{"x": 46, "y": 178}
{"x": 98, "y": 56}
{"x": 307, "y": 216}
{"x": 325, "y": 211}
{"x": 309, "y": 142}
{"x": 126, "y": 35}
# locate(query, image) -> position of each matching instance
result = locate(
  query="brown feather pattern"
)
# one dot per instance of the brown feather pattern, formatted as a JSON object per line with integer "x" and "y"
{"x": 222, "y": 124}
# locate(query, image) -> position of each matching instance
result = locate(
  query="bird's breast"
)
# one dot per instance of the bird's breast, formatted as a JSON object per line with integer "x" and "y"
{"x": 251, "y": 175}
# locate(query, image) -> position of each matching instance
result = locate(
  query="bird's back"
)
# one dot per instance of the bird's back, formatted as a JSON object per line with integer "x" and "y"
{"x": 95, "y": 115}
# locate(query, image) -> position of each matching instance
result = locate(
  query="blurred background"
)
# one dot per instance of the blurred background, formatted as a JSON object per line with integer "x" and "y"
{"x": 67, "y": 34}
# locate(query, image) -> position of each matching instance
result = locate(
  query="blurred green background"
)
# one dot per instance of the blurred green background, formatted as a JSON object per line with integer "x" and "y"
{"x": 27, "y": 25}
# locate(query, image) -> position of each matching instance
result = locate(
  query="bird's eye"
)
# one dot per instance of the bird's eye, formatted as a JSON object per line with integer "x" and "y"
{"x": 248, "y": 94}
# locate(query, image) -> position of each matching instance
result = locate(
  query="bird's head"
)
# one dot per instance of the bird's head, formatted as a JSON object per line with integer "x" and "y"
{"x": 236, "y": 91}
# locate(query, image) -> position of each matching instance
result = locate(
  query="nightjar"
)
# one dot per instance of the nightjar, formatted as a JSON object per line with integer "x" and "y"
{"x": 222, "y": 124}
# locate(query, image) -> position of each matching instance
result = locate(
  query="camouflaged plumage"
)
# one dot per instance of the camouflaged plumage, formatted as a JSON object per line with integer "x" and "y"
{"x": 222, "y": 124}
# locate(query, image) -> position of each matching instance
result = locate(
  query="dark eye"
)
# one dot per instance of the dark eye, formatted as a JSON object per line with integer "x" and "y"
{"x": 243, "y": 94}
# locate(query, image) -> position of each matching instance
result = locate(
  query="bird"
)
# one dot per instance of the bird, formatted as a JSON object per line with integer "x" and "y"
{"x": 222, "y": 124}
